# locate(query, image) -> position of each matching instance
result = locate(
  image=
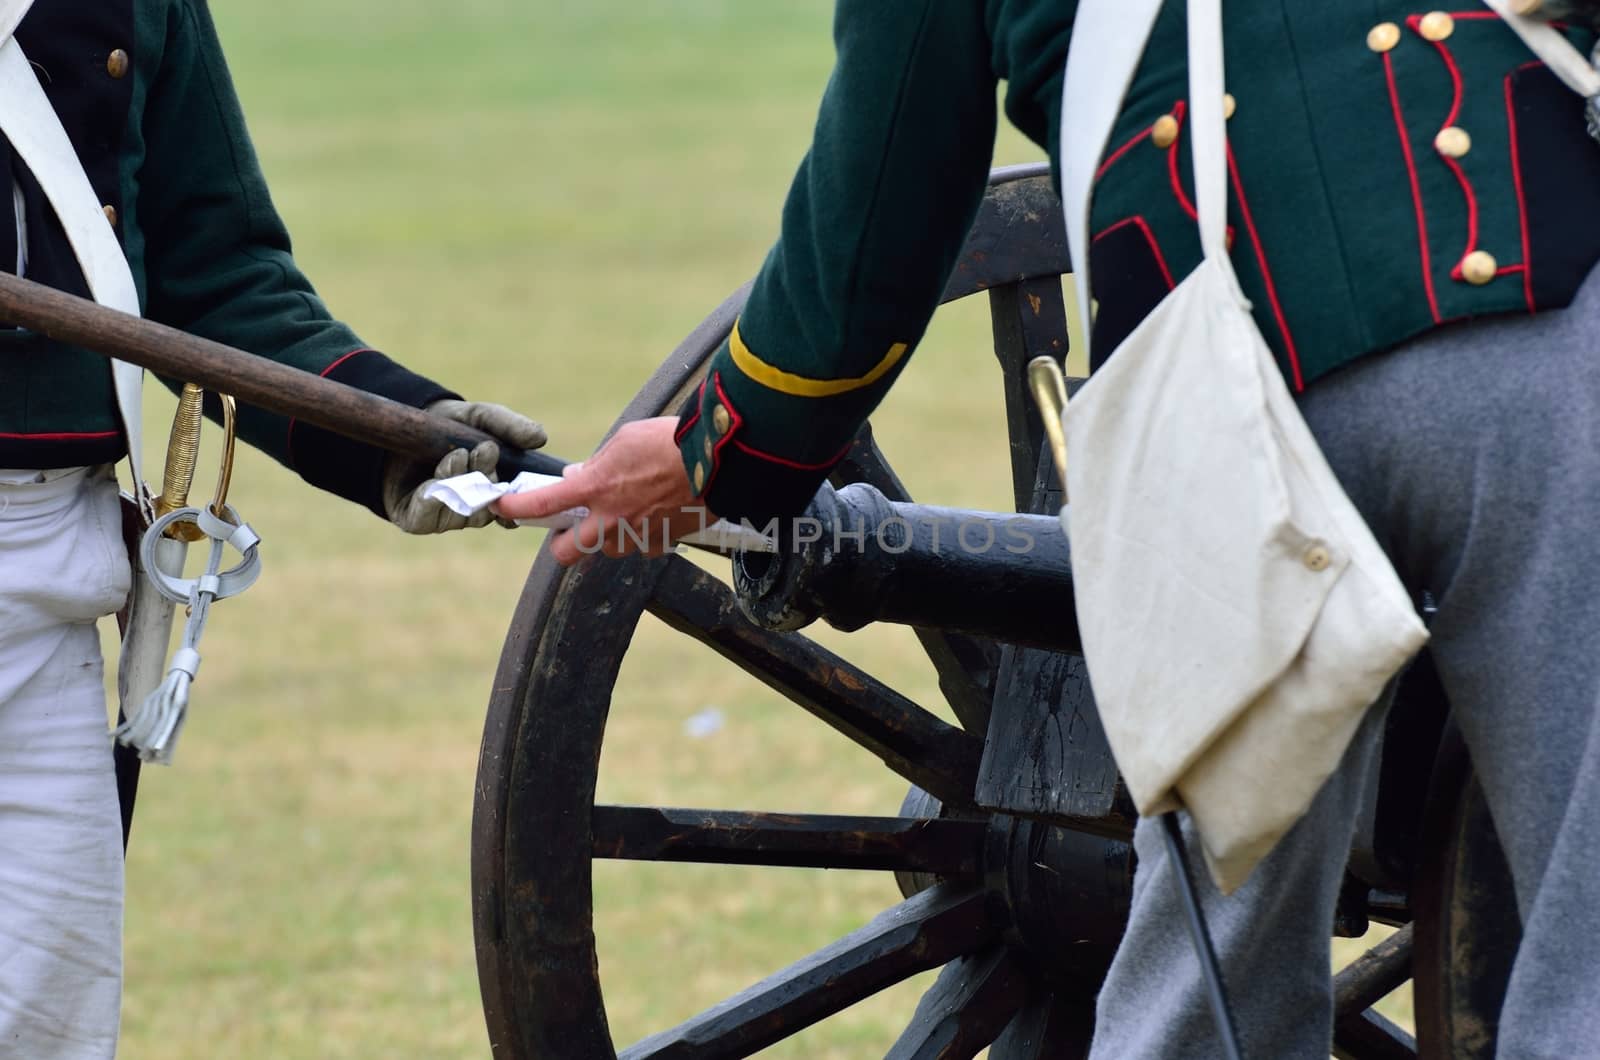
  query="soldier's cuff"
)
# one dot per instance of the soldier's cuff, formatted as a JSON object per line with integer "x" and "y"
{"x": 733, "y": 478}
{"x": 351, "y": 469}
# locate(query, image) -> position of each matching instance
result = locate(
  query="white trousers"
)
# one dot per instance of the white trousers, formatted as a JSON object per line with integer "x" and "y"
{"x": 62, "y": 567}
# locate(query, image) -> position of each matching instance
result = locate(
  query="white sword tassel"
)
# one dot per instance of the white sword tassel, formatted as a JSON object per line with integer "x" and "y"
{"x": 153, "y": 726}
{"x": 143, "y": 661}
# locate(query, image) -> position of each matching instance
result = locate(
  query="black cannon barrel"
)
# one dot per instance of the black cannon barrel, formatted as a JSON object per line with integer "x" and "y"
{"x": 856, "y": 557}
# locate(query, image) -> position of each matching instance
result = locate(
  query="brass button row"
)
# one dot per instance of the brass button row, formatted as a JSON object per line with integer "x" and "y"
{"x": 722, "y": 423}
{"x": 1164, "y": 133}
{"x": 1478, "y": 267}
{"x": 1435, "y": 26}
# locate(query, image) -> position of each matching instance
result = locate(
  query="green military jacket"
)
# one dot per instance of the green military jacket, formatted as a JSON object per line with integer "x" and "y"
{"x": 1392, "y": 169}
{"x": 145, "y": 97}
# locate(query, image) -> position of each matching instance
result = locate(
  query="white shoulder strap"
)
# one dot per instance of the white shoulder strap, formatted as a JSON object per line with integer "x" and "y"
{"x": 1557, "y": 52}
{"x": 12, "y": 12}
{"x": 1108, "y": 37}
{"x": 1208, "y": 132}
{"x": 30, "y": 123}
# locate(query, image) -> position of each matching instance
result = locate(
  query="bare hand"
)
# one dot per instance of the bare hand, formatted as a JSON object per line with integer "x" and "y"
{"x": 636, "y": 481}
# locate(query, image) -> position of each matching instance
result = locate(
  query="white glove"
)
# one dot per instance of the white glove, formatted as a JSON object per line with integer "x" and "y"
{"x": 404, "y": 480}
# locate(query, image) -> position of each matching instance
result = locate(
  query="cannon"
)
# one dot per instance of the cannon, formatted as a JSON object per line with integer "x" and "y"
{"x": 1011, "y": 847}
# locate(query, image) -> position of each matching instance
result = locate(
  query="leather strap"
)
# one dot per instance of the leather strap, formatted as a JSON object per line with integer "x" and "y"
{"x": 30, "y": 123}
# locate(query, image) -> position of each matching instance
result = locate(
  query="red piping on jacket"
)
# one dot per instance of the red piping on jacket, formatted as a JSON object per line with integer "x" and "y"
{"x": 1516, "y": 177}
{"x": 1178, "y": 113}
{"x": 1173, "y": 174}
{"x": 733, "y": 428}
{"x": 61, "y": 436}
{"x": 288, "y": 434}
{"x": 1416, "y": 187}
{"x": 770, "y": 458}
{"x": 1116, "y": 155}
{"x": 688, "y": 425}
{"x": 1150, "y": 238}
{"x": 1414, "y": 21}
{"x": 1266, "y": 273}
{"x": 735, "y": 421}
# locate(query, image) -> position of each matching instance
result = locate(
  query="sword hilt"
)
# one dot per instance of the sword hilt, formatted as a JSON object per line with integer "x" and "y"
{"x": 183, "y": 453}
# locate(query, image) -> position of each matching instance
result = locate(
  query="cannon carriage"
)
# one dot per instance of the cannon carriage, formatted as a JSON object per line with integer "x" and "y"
{"x": 1011, "y": 847}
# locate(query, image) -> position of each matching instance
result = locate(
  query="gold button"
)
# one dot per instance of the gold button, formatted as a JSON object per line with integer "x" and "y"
{"x": 1164, "y": 133}
{"x": 1317, "y": 558}
{"x": 1479, "y": 267}
{"x": 720, "y": 419}
{"x": 1436, "y": 26}
{"x": 711, "y": 450}
{"x": 117, "y": 64}
{"x": 1452, "y": 142}
{"x": 1229, "y": 105}
{"x": 1383, "y": 36}
{"x": 111, "y": 214}
{"x": 699, "y": 477}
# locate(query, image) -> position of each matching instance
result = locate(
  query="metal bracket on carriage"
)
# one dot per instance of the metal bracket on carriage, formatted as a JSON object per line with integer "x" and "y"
{"x": 857, "y": 557}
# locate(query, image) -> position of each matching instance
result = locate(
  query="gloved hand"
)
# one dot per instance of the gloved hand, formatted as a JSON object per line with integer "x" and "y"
{"x": 404, "y": 479}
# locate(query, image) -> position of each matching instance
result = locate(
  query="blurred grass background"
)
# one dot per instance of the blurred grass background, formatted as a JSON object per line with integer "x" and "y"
{"x": 533, "y": 202}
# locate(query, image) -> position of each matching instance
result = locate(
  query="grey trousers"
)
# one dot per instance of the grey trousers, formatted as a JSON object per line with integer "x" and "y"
{"x": 1474, "y": 454}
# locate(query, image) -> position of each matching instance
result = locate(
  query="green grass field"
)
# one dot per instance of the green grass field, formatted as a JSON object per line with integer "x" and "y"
{"x": 533, "y": 202}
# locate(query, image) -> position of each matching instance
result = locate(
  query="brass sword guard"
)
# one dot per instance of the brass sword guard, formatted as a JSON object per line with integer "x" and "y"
{"x": 230, "y": 436}
{"x": 183, "y": 454}
{"x": 1049, "y": 387}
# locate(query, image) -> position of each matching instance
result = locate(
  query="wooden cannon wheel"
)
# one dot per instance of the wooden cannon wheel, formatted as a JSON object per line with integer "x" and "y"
{"x": 1021, "y": 911}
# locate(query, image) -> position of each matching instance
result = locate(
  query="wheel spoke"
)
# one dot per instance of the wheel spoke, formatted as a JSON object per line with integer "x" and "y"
{"x": 965, "y": 665}
{"x": 920, "y": 933}
{"x": 1030, "y": 320}
{"x": 1051, "y": 1028}
{"x": 942, "y": 847}
{"x": 1359, "y": 1033}
{"x": 935, "y": 756}
{"x": 1370, "y": 1036}
{"x": 1374, "y": 974}
{"x": 966, "y": 1008}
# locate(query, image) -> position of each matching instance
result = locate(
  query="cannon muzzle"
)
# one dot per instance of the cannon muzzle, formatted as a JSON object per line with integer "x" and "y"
{"x": 856, "y": 557}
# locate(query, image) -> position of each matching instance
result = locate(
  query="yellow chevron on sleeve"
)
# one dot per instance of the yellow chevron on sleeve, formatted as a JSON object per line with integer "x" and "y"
{"x": 774, "y": 378}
